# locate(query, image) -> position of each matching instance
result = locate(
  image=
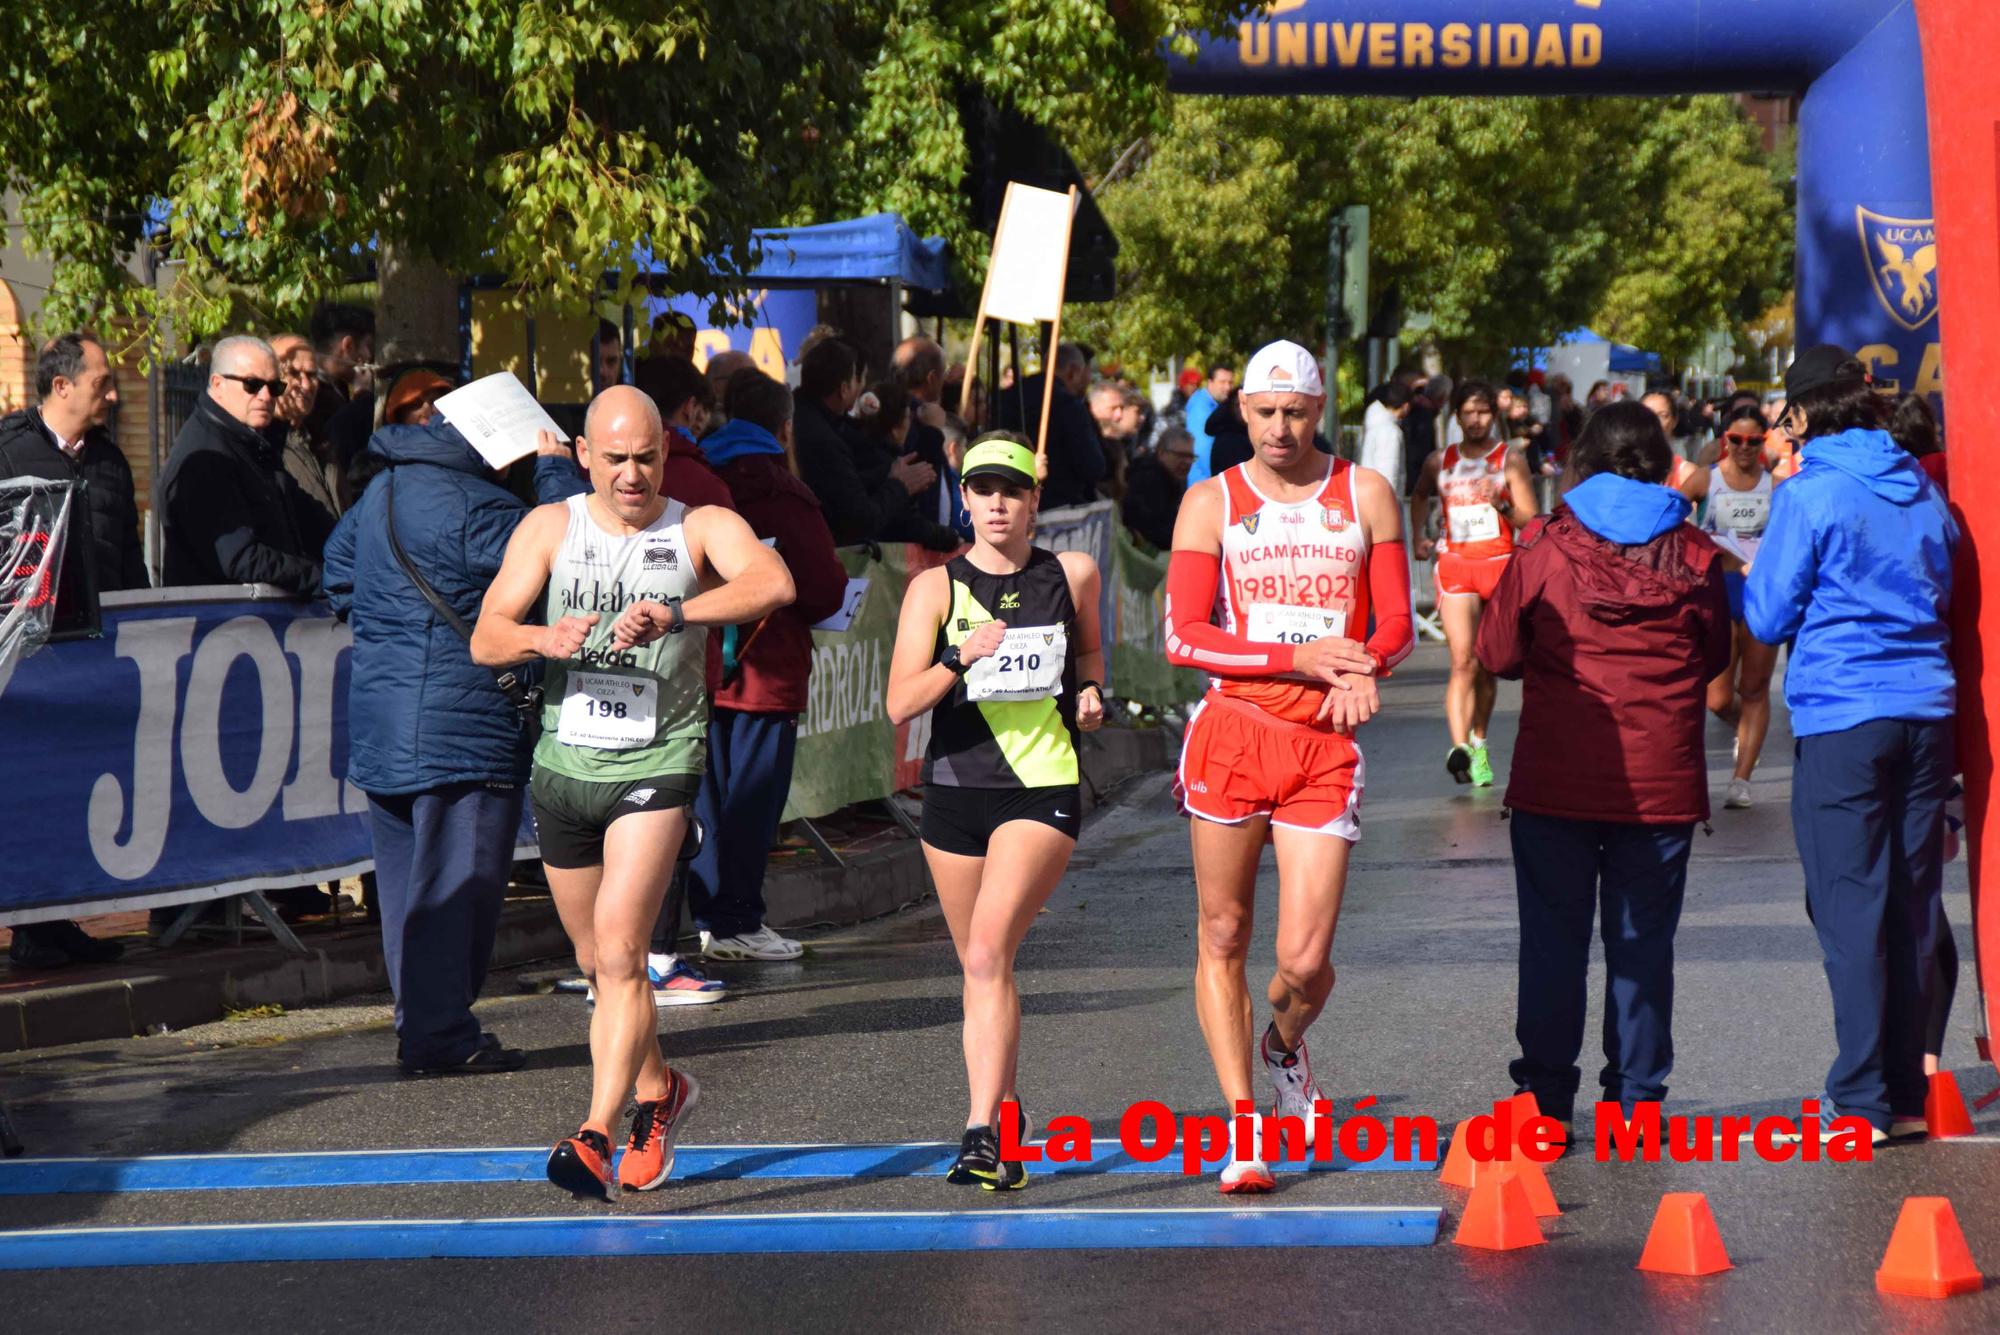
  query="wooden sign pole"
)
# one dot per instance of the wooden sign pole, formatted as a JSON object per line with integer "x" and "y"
{"x": 1055, "y": 354}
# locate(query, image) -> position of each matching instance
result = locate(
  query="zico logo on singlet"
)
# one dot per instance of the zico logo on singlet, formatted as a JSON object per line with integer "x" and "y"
{"x": 1010, "y": 602}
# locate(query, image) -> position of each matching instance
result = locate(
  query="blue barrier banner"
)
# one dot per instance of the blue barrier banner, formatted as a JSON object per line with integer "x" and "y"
{"x": 197, "y": 749}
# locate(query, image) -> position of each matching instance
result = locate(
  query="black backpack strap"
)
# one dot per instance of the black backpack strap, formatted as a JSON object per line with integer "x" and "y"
{"x": 523, "y": 697}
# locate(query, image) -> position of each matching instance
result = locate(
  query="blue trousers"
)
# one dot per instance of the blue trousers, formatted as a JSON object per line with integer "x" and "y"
{"x": 1564, "y": 870}
{"x": 741, "y": 802}
{"x": 441, "y": 863}
{"x": 1868, "y": 813}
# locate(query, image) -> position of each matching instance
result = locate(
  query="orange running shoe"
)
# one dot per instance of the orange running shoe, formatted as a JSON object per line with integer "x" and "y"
{"x": 581, "y": 1165}
{"x": 649, "y": 1155}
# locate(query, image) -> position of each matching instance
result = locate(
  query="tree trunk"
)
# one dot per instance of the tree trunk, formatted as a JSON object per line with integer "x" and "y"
{"x": 417, "y": 316}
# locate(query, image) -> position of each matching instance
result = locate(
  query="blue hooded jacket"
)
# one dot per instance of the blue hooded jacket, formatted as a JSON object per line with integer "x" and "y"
{"x": 736, "y": 438}
{"x": 1625, "y": 510}
{"x": 1856, "y": 563}
{"x": 421, "y": 713}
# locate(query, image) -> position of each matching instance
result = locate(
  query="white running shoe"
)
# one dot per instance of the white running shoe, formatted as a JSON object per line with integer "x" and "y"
{"x": 1248, "y": 1177}
{"x": 762, "y": 944}
{"x": 1295, "y": 1090}
{"x": 1739, "y": 795}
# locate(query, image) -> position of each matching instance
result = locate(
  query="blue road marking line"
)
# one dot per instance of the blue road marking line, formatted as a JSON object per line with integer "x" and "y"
{"x": 721, "y": 1235}
{"x": 692, "y": 1163}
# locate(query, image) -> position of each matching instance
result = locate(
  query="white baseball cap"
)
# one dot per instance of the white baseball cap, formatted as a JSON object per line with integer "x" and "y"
{"x": 1282, "y": 368}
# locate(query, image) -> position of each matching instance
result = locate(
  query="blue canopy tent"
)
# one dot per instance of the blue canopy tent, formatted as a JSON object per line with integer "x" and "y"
{"x": 1625, "y": 359}
{"x": 792, "y": 267}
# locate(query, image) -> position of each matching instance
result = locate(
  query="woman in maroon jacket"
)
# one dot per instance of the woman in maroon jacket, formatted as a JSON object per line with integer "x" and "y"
{"x": 1614, "y": 617}
{"x": 753, "y": 727}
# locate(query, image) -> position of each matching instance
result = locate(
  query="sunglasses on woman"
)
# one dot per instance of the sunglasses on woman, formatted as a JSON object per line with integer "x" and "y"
{"x": 1743, "y": 437}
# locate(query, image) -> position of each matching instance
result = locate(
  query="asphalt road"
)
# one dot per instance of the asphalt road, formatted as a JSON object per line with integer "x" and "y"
{"x": 860, "y": 1043}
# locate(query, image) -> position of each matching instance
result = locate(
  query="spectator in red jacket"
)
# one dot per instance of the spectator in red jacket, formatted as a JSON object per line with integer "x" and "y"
{"x": 1614, "y": 617}
{"x": 753, "y": 728}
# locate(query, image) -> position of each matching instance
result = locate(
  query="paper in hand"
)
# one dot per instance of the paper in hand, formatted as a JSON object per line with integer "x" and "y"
{"x": 498, "y": 417}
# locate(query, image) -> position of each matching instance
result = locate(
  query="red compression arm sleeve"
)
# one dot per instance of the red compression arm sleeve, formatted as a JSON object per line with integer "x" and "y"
{"x": 1193, "y": 641}
{"x": 1389, "y": 595}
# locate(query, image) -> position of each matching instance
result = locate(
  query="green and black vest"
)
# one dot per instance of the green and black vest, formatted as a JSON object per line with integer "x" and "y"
{"x": 1022, "y": 734}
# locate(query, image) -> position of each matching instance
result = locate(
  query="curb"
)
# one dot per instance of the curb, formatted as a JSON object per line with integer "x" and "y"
{"x": 867, "y": 887}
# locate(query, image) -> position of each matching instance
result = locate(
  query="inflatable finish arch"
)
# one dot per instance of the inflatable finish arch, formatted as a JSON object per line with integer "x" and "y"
{"x": 1873, "y": 255}
{"x": 1866, "y": 242}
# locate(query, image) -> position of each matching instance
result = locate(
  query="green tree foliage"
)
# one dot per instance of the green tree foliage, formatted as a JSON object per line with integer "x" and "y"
{"x": 1507, "y": 220}
{"x": 535, "y": 138}
{"x": 538, "y": 138}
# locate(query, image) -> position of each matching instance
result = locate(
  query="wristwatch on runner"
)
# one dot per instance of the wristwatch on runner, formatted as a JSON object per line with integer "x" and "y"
{"x": 949, "y": 658}
{"x": 680, "y": 620}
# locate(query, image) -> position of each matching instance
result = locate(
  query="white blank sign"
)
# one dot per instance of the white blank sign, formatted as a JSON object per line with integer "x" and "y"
{"x": 1024, "y": 284}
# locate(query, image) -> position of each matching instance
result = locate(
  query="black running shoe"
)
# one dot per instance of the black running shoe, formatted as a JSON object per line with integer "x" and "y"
{"x": 581, "y": 1165}
{"x": 1458, "y": 763}
{"x": 978, "y": 1158}
{"x": 1012, "y": 1176}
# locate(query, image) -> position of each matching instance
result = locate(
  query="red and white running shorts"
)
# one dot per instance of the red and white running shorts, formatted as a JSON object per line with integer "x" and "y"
{"x": 1476, "y": 577}
{"x": 1239, "y": 762}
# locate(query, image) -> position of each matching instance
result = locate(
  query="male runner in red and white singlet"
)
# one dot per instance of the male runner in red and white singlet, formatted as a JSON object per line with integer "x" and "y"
{"x": 1299, "y": 546}
{"x": 1487, "y": 494}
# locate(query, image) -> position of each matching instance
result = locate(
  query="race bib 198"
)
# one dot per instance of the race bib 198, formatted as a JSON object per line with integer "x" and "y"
{"x": 1473, "y": 523}
{"x": 1279, "y": 623}
{"x": 1028, "y": 665}
{"x": 609, "y": 712}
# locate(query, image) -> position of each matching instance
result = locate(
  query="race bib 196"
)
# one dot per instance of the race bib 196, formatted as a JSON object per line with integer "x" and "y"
{"x": 1278, "y": 623}
{"x": 610, "y": 712}
{"x": 1473, "y": 523}
{"x": 1028, "y": 665}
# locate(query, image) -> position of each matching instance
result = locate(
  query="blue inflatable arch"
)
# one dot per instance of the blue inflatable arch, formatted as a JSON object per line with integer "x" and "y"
{"x": 1867, "y": 240}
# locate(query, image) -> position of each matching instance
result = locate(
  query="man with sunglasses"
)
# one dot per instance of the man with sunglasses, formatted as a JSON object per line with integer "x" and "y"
{"x": 232, "y": 514}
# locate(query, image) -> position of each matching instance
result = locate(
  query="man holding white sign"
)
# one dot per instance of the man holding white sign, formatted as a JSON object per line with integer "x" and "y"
{"x": 620, "y": 573}
{"x": 1300, "y": 546}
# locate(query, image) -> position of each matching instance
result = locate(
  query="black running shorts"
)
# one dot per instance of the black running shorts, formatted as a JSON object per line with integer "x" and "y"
{"x": 571, "y": 815}
{"x": 963, "y": 820}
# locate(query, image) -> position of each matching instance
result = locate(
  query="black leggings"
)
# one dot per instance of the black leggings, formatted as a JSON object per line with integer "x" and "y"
{"x": 1944, "y": 986}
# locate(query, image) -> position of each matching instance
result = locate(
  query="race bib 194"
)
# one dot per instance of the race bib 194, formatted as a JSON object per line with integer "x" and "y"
{"x": 1473, "y": 523}
{"x": 1279, "y": 623}
{"x": 1028, "y": 665}
{"x": 609, "y": 712}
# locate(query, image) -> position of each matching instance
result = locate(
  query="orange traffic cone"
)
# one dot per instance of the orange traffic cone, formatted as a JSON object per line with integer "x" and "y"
{"x": 1458, "y": 1165}
{"x": 1541, "y": 1197}
{"x": 1927, "y": 1256}
{"x": 1525, "y": 1106}
{"x": 1684, "y": 1240}
{"x": 1499, "y": 1218}
{"x": 1944, "y": 1108}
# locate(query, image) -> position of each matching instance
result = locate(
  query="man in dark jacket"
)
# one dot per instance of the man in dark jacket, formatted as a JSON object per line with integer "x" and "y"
{"x": 856, "y": 510}
{"x": 343, "y": 411}
{"x": 1614, "y": 617}
{"x": 1155, "y": 485}
{"x": 233, "y": 515}
{"x": 64, "y": 440}
{"x": 920, "y": 369}
{"x": 753, "y": 728}
{"x": 1076, "y": 455}
{"x": 435, "y": 743}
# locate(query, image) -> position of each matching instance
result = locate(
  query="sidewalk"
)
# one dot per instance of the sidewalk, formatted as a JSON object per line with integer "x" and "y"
{"x": 152, "y": 990}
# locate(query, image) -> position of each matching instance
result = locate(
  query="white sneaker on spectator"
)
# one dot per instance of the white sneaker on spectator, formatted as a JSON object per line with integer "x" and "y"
{"x": 1739, "y": 795}
{"x": 762, "y": 944}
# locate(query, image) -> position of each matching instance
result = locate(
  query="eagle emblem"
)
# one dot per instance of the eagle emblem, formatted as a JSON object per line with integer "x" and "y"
{"x": 1901, "y": 255}
{"x": 1250, "y": 523}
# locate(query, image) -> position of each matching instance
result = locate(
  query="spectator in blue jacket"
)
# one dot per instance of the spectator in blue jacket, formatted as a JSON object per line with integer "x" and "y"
{"x": 433, "y": 740}
{"x": 1201, "y": 405}
{"x": 1855, "y": 570}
